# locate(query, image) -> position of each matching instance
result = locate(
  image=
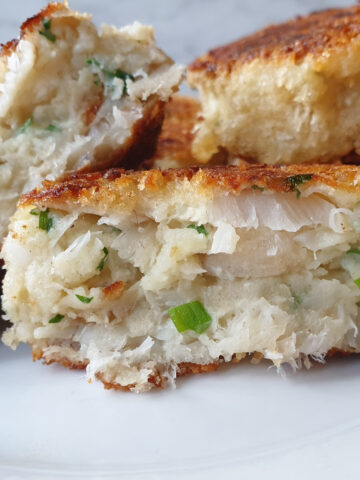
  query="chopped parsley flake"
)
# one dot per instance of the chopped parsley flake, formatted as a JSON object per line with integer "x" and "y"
{"x": 118, "y": 73}
{"x": 256, "y": 187}
{"x": 45, "y": 223}
{"x": 357, "y": 282}
{"x": 84, "y": 299}
{"x": 34, "y": 211}
{"x": 46, "y": 32}
{"x": 93, "y": 61}
{"x": 297, "y": 300}
{"x": 53, "y": 128}
{"x": 190, "y": 316}
{"x": 199, "y": 229}
{"x": 116, "y": 230}
{"x": 102, "y": 262}
{"x": 354, "y": 251}
{"x": 56, "y": 319}
{"x": 297, "y": 180}
{"x": 26, "y": 125}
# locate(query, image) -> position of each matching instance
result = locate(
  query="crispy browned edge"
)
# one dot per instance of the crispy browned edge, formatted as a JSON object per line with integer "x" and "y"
{"x": 185, "y": 368}
{"x": 3, "y": 323}
{"x": 107, "y": 185}
{"x": 142, "y": 142}
{"x": 30, "y": 25}
{"x": 176, "y": 136}
{"x": 309, "y": 35}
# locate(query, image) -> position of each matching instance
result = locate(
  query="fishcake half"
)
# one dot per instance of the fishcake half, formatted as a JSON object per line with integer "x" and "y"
{"x": 143, "y": 276}
{"x": 289, "y": 93}
{"x": 73, "y": 98}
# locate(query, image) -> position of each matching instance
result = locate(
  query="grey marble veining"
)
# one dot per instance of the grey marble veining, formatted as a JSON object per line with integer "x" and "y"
{"x": 183, "y": 28}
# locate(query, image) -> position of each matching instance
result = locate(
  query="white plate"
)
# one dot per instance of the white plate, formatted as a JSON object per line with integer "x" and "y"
{"x": 242, "y": 419}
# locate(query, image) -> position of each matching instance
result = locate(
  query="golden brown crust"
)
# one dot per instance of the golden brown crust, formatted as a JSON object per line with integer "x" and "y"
{"x": 38, "y": 354}
{"x": 30, "y": 25}
{"x": 337, "y": 352}
{"x": 185, "y": 368}
{"x": 176, "y": 136}
{"x": 106, "y": 186}
{"x": 312, "y": 35}
{"x": 144, "y": 135}
{"x": 174, "y": 146}
{"x": 114, "y": 291}
{"x": 140, "y": 145}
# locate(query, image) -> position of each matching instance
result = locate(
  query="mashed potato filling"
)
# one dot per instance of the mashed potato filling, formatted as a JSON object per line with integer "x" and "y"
{"x": 282, "y": 285}
{"x": 71, "y": 97}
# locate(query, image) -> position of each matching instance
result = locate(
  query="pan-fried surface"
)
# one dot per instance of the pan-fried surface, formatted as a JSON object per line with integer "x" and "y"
{"x": 289, "y": 93}
{"x": 311, "y": 35}
{"x": 176, "y": 136}
{"x": 107, "y": 188}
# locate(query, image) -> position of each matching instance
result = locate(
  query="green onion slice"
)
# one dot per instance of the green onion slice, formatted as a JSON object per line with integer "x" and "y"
{"x": 84, "y": 299}
{"x": 199, "y": 229}
{"x": 103, "y": 260}
{"x": 354, "y": 251}
{"x": 45, "y": 223}
{"x": 190, "y": 316}
{"x": 57, "y": 318}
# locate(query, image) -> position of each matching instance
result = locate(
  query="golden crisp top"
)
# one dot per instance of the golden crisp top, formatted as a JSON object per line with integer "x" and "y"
{"x": 117, "y": 186}
{"x": 313, "y": 35}
{"x": 31, "y": 24}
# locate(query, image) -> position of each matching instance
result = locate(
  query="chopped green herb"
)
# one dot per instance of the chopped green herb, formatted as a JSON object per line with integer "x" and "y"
{"x": 123, "y": 75}
{"x": 53, "y": 128}
{"x": 199, "y": 229}
{"x": 96, "y": 82}
{"x": 357, "y": 282}
{"x": 118, "y": 73}
{"x": 45, "y": 223}
{"x": 354, "y": 251}
{"x": 256, "y": 187}
{"x": 102, "y": 262}
{"x": 296, "y": 180}
{"x": 34, "y": 211}
{"x": 56, "y": 319}
{"x": 93, "y": 61}
{"x": 84, "y": 299}
{"x": 46, "y": 32}
{"x": 26, "y": 125}
{"x": 190, "y": 316}
{"x": 116, "y": 230}
{"x": 297, "y": 300}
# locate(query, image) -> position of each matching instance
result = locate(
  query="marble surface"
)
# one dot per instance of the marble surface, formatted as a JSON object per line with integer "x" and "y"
{"x": 183, "y": 28}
